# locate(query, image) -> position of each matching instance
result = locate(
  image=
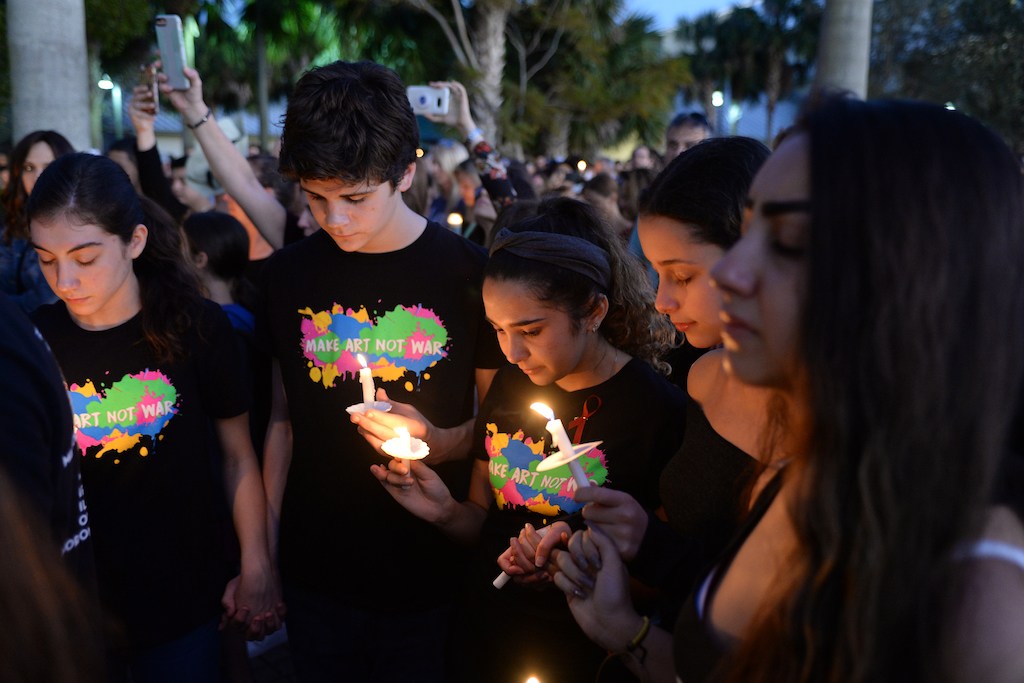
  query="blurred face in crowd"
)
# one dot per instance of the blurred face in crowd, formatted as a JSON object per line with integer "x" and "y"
{"x": 39, "y": 157}
{"x": 682, "y": 138}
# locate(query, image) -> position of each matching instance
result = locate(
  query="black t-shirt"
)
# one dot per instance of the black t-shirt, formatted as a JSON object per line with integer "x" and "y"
{"x": 143, "y": 431}
{"x": 416, "y": 315}
{"x": 638, "y": 417}
{"x": 637, "y": 414}
{"x": 36, "y": 448}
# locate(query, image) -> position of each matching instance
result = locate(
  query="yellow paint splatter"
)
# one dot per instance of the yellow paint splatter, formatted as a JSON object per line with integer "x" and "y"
{"x": 408, "y": 387}
{"x": 315, "y": 374}
{"x": 426, "y": 376}
{"x": 330, "y": 371}
{"x": 321, "y": 320}
{"x": 143, "y": 452}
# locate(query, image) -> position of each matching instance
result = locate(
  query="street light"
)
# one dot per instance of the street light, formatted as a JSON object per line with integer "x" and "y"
{"x": 105, "y": 83}
{"x": 717, "y": 100}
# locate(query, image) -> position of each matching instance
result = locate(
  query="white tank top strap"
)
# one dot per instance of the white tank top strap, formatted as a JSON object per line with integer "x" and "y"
{"x": 993, "y": 550}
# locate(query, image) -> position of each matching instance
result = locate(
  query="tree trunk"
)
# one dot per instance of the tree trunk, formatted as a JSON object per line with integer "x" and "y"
{"x": 773, "y": 86}
{"x": 489, "y": 45}
{"x": 844, "y": 47}
{"x": 50, "y": 84}
{"x": 558, "y": 136}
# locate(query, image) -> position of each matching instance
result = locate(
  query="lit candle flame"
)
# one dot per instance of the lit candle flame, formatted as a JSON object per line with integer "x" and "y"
{"x": 361, "y": 359}
{"x": 544, "y": 410}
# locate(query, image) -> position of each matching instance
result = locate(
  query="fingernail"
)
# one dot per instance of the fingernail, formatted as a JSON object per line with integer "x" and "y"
{"x": 578, "y": 593}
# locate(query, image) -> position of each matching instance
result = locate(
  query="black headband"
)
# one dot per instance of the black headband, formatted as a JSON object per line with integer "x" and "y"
{"x": 572, "y": 253}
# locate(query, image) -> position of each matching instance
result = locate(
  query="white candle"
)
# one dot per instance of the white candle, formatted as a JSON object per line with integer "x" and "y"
{"x": 404, "y": 440}
{"x": 366, "y": 380}
{"x": 563, "y": 443}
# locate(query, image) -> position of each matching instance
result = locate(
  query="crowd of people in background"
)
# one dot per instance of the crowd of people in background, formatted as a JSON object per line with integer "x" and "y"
{"x": 791, "y": 380}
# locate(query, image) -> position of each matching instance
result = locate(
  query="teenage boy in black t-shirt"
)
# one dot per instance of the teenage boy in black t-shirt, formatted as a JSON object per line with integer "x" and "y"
{"x": 366, "y": 583}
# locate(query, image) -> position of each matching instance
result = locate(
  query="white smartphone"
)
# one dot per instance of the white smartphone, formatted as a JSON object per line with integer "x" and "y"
{"x": 171, "y": 42}
{"x": 426, "y": 99}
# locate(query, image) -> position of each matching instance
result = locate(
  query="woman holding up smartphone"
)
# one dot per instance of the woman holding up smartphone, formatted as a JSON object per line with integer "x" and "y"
{"x": 152, "y": 374}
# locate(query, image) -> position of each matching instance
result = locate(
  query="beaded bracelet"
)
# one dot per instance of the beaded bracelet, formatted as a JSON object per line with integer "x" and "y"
{"x": 206, "y": 117}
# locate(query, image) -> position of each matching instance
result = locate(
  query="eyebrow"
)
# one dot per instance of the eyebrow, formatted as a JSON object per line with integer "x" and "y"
{"x": 71, "y": 250}
{"x": 518, "y": 323}
{"x": 675, "y": 262}
{"x": 779, "y": 208}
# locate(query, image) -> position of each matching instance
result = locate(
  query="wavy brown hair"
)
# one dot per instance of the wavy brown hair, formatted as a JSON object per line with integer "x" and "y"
{"x": 913, "y": 337}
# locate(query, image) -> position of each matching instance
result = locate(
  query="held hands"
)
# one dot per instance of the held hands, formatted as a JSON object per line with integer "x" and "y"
{"x": 458, "y": 115}
{"x": 596, "y": 585}
{"x": 526, "y": 559}
{"x": 252, "y": 604}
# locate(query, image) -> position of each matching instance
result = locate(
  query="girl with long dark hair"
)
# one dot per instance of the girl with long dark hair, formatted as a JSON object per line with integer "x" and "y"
{"x": 151, "y": 371}
{"x": 878, "y": 288}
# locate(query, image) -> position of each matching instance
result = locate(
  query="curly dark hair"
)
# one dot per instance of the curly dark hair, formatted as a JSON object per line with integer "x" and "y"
{"x": 632, "y": 323}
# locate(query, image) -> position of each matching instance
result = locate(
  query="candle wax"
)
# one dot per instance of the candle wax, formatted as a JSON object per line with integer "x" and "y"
{"x": 565, "y": 446}
{"x": 366, "y": 380}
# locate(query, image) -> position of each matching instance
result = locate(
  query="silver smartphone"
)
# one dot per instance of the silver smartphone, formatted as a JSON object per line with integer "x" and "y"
{"x": 171, "y": 42}
{"x": 426, "y": 99}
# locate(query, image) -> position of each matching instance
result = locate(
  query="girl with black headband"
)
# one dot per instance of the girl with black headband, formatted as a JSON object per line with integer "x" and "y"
{"x": 576, "y": 320}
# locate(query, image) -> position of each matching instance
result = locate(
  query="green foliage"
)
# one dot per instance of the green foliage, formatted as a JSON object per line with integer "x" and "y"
{"x": 968, "y": 52}
{"x": 609, "y": 76}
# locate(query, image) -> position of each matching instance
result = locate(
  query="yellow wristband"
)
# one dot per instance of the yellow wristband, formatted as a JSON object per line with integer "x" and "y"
{"x": 637, "y": 643}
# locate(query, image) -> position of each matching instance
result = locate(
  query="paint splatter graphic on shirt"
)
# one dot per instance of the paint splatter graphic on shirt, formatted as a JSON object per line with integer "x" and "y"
{"x": 129, "y": 413}
{"x": 516, "y": 482}
{"x": 405, "y": 339}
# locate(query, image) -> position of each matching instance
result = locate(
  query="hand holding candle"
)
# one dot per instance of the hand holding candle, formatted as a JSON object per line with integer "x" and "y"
{"x": 567, "y": 455}
{"x": 405, "y": 447}
{"x": 369, "y": 391}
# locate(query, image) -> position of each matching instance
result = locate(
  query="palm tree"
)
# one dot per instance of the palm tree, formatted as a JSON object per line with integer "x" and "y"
{"x": 790, "y": 42}
{"x": 845, "y": 46}
{"x": 49, "y": 78}
{"x": 700, "y": 37}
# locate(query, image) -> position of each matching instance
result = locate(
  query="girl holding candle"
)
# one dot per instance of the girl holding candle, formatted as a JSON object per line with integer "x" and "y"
{"x": 576, "y": 319}
{"x": 690, "y": 216}
{"x": 152, "y": 371}
{"x": 888, "y": 550}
